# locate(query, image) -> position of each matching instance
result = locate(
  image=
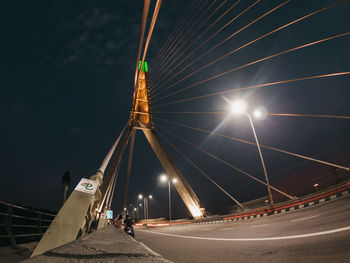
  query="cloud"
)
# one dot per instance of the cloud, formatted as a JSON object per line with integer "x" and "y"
{"x": 111, "y": 45}
{"x": 100, "y": 40}
{"x": 97, "y": 19}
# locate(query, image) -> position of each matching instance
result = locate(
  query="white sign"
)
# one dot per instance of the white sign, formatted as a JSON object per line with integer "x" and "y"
{"x": 109, "y": 214}
{"x": 87, "y": 186}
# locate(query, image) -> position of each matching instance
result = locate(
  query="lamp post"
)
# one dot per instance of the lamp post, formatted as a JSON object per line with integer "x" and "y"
{"x": 240, "y": 107}
{"x": 133, "y": 213}
{"x": 139, "y": 207}
{"x": 163, "y": 179}
{"x": 145, "y": 204}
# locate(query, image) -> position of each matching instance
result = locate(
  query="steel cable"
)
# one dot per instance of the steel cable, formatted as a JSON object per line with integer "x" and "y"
{"x": 226, "y": 163}
{"x": 253, "y": 87}
{"x": 181, "y": 30}
{"x": 249, "y": 43}
{"x": 161, "y": 70}
{"x": 172, "y": 34}
{"x": 207, "y": 29}
{"x": 201, "y": 171}
{"x": 252, "y": 143}
{"x": 192, "y": 23}
{"x": 255, "y": 62}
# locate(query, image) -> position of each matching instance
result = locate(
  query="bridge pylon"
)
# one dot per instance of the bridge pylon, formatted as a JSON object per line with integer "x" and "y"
{"x": 85, "y": 204}
{"x": 141, "y": 118}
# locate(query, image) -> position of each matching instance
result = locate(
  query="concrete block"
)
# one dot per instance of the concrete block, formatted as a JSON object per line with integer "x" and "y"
{"x": 106, "y": 245}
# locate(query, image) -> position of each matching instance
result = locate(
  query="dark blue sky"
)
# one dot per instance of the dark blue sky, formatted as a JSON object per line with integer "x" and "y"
{"x": 67, "y": 72}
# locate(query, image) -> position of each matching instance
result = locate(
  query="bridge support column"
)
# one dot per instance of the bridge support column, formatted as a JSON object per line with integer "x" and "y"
{"x": 182, "y": 186}
{"x": 77, "y": 214}
{"x": 69, "y": 221}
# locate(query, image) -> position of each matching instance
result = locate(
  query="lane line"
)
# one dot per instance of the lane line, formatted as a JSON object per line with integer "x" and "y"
{"x": 150, "y": 250}
{"x": 260, "y": 225}
{"x": 337, "y": 230}
{"x": 227, "y": 228}
{"x": 304, "y": 218}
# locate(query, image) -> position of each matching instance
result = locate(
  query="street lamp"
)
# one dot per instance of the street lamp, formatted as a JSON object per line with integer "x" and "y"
{"x": 240, "y": 107}
{"x": 164, "y": 178}
{"x": 137, "y": 213}
{"x": 145, "y": 204}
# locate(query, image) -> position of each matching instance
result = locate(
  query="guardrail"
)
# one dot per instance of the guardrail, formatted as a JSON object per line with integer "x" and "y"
{"x": 20, "y": 224}
{"x": 302, "y": 202}
{"x": 325, "y": 195}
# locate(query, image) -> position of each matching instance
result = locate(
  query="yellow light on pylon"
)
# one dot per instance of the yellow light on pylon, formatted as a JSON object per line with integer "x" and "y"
{"x": 195, "y": 211}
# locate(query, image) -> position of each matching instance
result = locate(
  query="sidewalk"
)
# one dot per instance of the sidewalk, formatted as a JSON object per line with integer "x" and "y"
{"x": 14, "y": 255}
{"x": 106, "y": 245}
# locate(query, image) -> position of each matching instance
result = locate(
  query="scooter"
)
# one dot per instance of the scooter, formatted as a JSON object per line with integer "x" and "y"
{"x": 129, "y": 231}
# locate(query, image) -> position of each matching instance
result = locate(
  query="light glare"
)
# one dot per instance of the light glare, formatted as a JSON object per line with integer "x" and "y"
{"x": 260, "y": 113}
{"x": 257, "y": 114}
{"x": 163, "y": 178}
{"x": 238, "y": 107}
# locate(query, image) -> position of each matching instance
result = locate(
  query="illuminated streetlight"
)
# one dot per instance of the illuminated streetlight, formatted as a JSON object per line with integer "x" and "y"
{"x": 260, "y": 113}
{"x": 145, "y": 204}
{"x": 164, "y": 178}
{"x": 240, "y": 107}
{"x": 257, "y": 114}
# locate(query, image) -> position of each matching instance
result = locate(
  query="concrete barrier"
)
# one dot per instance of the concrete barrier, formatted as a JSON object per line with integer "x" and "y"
{"x": 106, "y": 245}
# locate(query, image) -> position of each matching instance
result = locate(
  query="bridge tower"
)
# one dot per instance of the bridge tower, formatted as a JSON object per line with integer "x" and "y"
{"x": 141, "y": 118}
{"x": 92, "y": 196}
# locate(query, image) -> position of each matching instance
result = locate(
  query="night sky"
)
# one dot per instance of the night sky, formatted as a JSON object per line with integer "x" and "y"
{"x": 67, "y": 70}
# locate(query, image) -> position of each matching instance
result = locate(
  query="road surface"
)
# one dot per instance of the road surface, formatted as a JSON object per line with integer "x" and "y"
{"x": 320, "y": 233}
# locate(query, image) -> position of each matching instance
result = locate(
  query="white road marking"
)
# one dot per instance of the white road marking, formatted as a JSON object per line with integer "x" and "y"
{"x": 260, "y": 225}
{"x": 305, "y": 218}
{"x": 332, "y": 231}
{"x": 150, "y": 250}
{"x": 227, "y": 228}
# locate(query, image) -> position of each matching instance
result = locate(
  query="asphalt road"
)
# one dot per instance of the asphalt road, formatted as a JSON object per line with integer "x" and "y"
{"x": 320, "y": 233}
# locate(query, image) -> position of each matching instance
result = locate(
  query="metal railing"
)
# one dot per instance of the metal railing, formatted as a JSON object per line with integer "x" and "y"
{"x": 20, "y": 224}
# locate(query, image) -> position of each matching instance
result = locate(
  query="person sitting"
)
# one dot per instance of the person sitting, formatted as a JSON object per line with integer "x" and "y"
{"x": 128, "y": 228}
{"x": 118, "y": 222}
